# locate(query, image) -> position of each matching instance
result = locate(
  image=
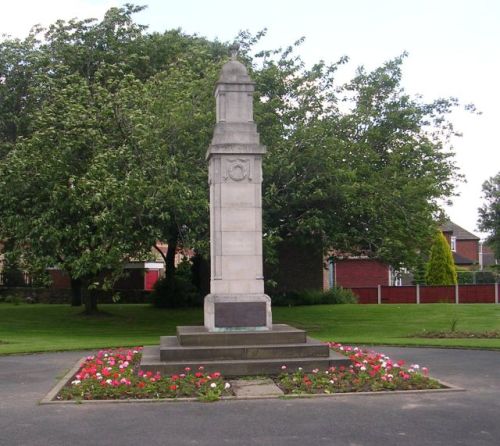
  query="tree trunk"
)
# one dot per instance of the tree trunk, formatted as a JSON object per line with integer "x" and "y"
{"x": 76, "y": 292}
{"x": 90, "y": 298}
{"x": 170, "y": 264}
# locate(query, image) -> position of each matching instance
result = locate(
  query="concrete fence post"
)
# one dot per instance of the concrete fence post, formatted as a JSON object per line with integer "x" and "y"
{"x": 497, "y": 285}
{"x": 417, "y": 291}
{"x": 457, "y": 300}
{"x": 379, "y": 294}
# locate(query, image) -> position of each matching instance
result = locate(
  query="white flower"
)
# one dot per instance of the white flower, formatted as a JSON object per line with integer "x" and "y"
{"x": 363, "y": 369}
{"x": 226, "y": 386}
{"x": 213, "y": 385}
{"x": 283, "y": 367}
{"x": 76, "y": 382}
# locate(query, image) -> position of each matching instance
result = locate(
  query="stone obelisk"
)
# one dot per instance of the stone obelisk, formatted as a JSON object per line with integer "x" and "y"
{"x": 236, "y": 300}
{"x": 238, "y": 337}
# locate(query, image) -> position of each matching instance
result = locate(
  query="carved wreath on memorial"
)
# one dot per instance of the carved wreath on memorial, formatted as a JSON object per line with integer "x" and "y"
{"x": 237, "y": 169}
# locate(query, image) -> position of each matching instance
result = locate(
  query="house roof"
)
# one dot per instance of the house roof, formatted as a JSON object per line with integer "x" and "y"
{"x": 457, "y": 231}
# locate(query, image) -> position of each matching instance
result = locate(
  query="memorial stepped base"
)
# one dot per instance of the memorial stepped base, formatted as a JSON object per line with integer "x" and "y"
{"x": 239, "y": 353}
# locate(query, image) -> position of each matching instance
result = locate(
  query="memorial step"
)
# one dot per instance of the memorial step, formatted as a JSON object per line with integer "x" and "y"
{"x": 171, "y": 350}
{"x": 228, "y": 368}
{"x": 200, "y": 336}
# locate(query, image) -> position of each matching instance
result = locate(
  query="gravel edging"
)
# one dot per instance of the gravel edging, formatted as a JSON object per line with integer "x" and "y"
{"x": 49, "y": 398}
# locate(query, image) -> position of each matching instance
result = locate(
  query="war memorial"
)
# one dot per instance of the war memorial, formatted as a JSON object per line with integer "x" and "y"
{"x": 238, "y": 336}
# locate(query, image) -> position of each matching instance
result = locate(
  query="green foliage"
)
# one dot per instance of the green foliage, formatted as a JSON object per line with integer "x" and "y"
{"x": 419, "y": 270}
{"x": 489, "y": 213}
{"x": 104, "y": 127}
{"x": 477, "y": 277}
{"x": 440, "y": 267}
{"x": 104, "y": 118}
{"x": 183, "y": 293}
{"x": 335, "y": 295}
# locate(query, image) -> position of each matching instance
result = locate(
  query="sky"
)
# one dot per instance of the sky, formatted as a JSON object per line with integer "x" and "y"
{"x": 453, "y": 46}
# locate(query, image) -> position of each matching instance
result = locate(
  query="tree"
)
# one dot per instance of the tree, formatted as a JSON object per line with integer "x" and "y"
{"x": 489, "y": 213}
{"x": 114, "y": 124}
{"x": 440, "y": 267}
{"x": 359, "y": 167}
{"x": 105, "y": 147}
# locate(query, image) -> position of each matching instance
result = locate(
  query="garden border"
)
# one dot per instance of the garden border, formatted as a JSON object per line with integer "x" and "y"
{"x": 49, "y": 398}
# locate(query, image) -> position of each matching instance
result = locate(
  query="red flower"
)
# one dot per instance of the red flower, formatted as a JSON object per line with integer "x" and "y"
{"x": 173, "y": 387}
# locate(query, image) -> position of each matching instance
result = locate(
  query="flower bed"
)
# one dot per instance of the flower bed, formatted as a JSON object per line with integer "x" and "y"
{"x": 369, "y": 372}
{"x": 114, "y": 374}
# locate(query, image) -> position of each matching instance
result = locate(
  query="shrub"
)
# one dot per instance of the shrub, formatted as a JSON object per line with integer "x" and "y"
{"x": 335, "y": 295}
{"x": 441, "y": 267}
{"x": 465, "y": 277}
{"x": 183, "y": 293}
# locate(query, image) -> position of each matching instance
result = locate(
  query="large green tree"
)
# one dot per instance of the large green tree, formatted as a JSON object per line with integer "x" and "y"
{"x": 105, "y": 126}
{"x": 489, "y": 213}
{"x": 97, "y": 176}
{"x": 359, "y": 167}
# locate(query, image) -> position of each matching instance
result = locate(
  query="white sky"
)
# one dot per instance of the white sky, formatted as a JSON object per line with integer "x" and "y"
{"x": 453, "y": 45}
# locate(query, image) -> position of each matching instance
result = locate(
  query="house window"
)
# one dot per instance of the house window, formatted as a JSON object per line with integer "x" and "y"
{"x": 331, "y": 273}
{"x": 453, "y": 243}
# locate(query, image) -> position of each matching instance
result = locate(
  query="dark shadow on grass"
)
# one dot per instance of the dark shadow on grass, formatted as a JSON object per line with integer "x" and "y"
{"x": 98, "y": 315}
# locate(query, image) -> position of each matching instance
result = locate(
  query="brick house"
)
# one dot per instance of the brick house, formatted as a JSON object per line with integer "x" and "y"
{"x": 464, "y": 245}
{"x": 298, "y": 272}
{"x": 316, "y": 272}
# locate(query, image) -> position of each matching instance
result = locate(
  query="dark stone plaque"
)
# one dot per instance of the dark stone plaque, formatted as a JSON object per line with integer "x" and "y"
{"x": 240, "y": 314}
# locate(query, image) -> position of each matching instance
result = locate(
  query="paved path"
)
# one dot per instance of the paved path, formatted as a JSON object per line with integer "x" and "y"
{"x": 469, "y": 418}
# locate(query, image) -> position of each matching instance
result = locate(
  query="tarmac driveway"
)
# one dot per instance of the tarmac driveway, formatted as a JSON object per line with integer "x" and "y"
{"x": 459, "y": 418}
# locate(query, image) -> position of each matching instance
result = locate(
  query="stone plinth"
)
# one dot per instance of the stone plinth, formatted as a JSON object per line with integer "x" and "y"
{"x": 240, "y": 353}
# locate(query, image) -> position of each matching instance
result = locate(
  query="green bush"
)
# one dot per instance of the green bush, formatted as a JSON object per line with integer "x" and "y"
{"x": 465, "y": 277}
{"x": 478, "y": 277}
{"x": 183, "y": 293}
{"x": 314, "y": 297}
{"x": 441, "y": 267}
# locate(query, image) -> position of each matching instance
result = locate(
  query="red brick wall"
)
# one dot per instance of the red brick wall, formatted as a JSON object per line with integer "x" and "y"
{"x": 352, "y": 273}
{"x": 60, "y": 279}
{"x": 469, "y": 249}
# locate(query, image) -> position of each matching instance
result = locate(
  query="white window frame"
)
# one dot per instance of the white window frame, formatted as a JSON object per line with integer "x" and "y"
{"x": 453, "y": 243}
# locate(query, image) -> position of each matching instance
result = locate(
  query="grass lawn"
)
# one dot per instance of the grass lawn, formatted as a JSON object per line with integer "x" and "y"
{"x": 35, "y": 328}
